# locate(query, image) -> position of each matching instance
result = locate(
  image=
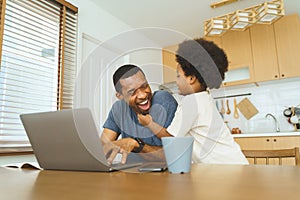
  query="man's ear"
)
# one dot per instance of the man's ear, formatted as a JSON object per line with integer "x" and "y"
{"x": 119, "y": 95}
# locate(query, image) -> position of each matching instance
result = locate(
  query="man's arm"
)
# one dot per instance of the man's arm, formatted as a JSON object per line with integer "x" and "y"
{"x": 124, "y": 146}
{"x": 108, "y": 136}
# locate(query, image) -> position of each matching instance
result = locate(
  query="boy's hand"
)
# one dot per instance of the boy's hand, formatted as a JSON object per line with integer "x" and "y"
{"x": 144, "y": 120}
{"x": 158, "y": 130}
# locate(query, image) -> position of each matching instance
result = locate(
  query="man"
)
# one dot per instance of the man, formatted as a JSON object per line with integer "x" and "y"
{"x": 135, "y": 97}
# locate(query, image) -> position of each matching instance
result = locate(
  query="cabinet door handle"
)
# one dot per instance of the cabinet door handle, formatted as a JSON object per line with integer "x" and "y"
{"x": 282, "y": 75}
{"x": 275, "y": 140}
{"x": 276, "y": 76}
{"x": 268, "y": 140}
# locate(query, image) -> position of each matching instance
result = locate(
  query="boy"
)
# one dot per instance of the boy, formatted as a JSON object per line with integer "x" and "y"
{"x": 201, "y": 66}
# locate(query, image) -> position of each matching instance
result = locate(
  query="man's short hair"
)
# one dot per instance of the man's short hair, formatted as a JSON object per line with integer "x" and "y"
{"x": 122, "y": 72}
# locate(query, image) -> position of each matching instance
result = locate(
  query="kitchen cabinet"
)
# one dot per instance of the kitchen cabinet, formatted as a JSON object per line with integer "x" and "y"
{"x": 216, "y": 40}
{"x": 287, "y": 31}
{"x": 265, "y": 143}
{"x": 261, "y": 53}
{"x": 275, "y": 49}
{"x": 264, "y": 53}
{"x": 169, "y": 63}
{"x": 237, "y": 46}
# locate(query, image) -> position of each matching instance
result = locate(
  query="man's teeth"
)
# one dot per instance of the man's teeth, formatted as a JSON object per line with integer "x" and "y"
{"x": 143, "y": 103}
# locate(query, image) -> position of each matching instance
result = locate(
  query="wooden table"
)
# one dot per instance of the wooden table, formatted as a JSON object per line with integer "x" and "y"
{"x": 205, "y": 182}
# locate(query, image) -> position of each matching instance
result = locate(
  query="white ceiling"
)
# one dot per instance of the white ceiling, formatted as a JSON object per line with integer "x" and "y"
{"x": 184, "y": 16}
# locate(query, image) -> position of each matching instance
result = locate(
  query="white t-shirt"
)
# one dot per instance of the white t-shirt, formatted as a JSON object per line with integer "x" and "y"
{"x": 197, "y": 116}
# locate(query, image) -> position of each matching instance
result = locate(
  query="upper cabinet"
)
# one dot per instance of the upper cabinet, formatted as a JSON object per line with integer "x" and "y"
{"x": 264, "y": 52}
{"x": 216, "y": 40}
{"x": 237, "y": 46}
{"x": 169, "y": 63}
{"x": 287, "y": 35}
{"x": 261, "y": 53}
{"x": 275, "y": 49}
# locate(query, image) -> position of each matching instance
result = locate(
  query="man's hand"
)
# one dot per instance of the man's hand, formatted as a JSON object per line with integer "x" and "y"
{"x": 145, "y": 120}
{"x": 123, "y": 146}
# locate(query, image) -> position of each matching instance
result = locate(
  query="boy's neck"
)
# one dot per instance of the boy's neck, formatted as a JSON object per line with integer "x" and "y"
{"x": 197, "y": 87}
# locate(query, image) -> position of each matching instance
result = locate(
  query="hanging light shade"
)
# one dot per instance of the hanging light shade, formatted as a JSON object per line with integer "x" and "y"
{"x": 242, "y": 19}
{"x": 216, "y": 26}
{"x": 269, "y": 12}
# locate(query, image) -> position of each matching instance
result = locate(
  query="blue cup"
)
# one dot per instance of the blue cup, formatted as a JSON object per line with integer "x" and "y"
{"x": 178, "y": 153}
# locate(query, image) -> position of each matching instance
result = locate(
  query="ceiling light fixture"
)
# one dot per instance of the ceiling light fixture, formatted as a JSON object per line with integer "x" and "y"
{"x": 265, "y": 13}
{"x": 216, "y": 26}
{"x": 241, "y": 19}
{"x": 269, "y": 12}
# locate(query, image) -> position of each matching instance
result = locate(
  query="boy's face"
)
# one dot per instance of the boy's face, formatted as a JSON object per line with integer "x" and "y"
{"x": 183, "y": 82}
{"x": 136, "y": 92}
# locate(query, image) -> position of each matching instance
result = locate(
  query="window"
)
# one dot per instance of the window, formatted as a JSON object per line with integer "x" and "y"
{"x": 38, "y": 62}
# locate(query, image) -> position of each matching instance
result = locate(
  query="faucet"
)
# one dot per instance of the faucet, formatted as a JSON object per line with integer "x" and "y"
{"x": 276, "y": 122}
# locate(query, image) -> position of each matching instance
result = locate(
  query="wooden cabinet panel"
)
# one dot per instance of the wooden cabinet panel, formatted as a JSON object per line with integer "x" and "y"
{"x": 253, "y": 143}
{"x": 264, "y": 53}
{"x": 216, "y": 40}
{"x": 285, "y": 142}
{"x": 287, "y": 31}
{"x": 169, "y": 63}
{"x": 264, "y": 143}
{"x": 237, "y": 46}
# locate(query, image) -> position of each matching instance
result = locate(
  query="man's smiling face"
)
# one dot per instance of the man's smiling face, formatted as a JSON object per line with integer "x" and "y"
{"x": 136, "y": 92}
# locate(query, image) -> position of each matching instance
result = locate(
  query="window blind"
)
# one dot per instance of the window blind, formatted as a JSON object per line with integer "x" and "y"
{"x": 38, "y": 62}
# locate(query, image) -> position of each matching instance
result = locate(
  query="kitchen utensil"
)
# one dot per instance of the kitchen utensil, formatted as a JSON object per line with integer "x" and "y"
{"x": 222, "y": 111}
{"x": 294, "y": 119}
{"x": 228, "y": 109}
{"x": 236, "y": 113}
{"x": 247, "y": 108}
{"x": 217, "y": 105}
{"x": 287, "y": 112}
{"x": 236, "y": 131}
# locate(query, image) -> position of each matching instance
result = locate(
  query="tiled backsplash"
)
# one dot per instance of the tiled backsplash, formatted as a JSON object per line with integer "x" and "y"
{"x": 268, "y": 97}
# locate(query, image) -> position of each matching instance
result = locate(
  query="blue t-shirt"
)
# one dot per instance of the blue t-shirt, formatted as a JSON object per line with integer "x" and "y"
{"x": 123, "y": 120}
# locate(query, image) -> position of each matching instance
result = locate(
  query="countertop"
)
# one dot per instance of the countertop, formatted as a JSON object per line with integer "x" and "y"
{"x": 268, "y": 134}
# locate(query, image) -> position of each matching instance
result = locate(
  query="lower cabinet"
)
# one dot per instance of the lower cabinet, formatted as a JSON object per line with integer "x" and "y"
{"x": 265, "y": 143}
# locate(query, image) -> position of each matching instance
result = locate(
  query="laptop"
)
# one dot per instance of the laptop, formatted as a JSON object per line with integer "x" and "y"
{"x": 67, "y": 140}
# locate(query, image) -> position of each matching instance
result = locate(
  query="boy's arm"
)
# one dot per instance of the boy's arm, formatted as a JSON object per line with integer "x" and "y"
{"x": 158, "y": 130}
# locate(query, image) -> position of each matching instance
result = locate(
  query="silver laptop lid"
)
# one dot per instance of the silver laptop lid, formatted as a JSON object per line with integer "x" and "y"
{"x": 65, "y": 140}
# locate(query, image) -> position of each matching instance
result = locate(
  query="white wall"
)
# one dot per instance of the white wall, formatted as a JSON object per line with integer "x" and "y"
{"x": 105, "y": 43}
{"x": 268, "y": 97}
{"x": 151, "y": 62}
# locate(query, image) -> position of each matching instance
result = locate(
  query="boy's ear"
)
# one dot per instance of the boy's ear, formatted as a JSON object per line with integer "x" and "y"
{"x": 119, "y": 95}
{"x": 192, "y": 79}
